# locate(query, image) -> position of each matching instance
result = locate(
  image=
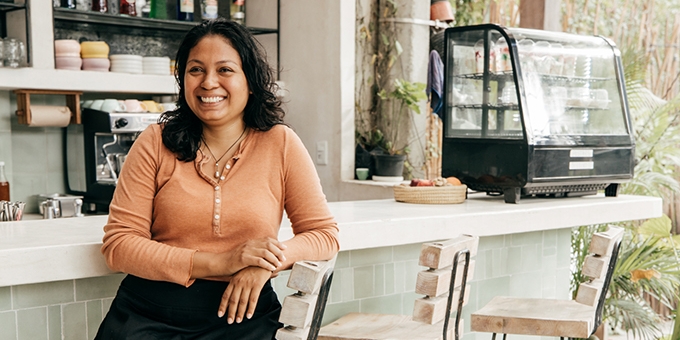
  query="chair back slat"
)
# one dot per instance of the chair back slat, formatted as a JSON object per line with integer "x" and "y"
{"x": 595, "y": 266}
{"x": 437, "y": 255}
{"x": 436, "y": 282}
{"x": 599, "y": 267}
{"x": 444, "y": 283}
{"x": 302, "y": 312}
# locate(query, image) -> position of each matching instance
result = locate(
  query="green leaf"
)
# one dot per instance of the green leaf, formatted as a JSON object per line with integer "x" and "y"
{"x": 658, "y": 227}
{"x": 397, "y": 47}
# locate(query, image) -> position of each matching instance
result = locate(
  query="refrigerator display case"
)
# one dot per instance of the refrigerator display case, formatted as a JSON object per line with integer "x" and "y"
{"x": 531, "y": 112}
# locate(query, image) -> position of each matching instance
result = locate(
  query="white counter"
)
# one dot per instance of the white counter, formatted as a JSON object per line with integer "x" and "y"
{"x": 63, "y": 249}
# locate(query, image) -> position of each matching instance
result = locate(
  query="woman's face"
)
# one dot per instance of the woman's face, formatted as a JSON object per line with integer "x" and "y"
{"x": 215, "y": 86}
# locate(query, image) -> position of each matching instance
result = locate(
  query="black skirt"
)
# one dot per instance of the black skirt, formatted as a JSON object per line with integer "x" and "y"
{"x": 147, "y": 310}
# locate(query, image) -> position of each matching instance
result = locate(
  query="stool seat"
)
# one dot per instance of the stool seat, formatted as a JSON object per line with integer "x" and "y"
{"x": 547, "y": 317}
{"x": 380, "y": 326}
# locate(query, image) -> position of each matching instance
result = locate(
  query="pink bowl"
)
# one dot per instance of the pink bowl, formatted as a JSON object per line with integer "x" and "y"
{"x": 68, "y": 63}
{"x": 96, "y": 63}
{"x": 66, "y": 48}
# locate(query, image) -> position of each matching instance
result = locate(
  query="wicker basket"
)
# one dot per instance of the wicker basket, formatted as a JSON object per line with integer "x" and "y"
{"x": 430, "y": 195}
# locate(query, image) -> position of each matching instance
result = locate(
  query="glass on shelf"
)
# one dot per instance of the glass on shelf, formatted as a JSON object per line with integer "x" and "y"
{"x": 502, "y": 53}
{"x": 479, "y": 56}
{"x": 525, "y": 49}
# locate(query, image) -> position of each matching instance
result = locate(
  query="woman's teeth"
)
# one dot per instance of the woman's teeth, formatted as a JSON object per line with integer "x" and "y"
{"x": 212, "y": 99}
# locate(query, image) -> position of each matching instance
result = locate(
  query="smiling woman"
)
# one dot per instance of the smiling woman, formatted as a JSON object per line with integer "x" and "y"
{"x": 199, "y": 244}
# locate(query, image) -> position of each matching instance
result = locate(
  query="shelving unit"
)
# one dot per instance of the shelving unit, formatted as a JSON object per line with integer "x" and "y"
{"x": 43, "y": 76}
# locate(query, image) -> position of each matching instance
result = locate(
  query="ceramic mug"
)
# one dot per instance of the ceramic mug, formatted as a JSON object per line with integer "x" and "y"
{"x": 362, "y": 173}
{"x": 169, "y": 106}
{"x": 152, "y": 106}
{"x": 87, "y": 103}
{"x": 111, "y": 105}
{"x": 97, "y": 104}
{"x": 134, "y": 105}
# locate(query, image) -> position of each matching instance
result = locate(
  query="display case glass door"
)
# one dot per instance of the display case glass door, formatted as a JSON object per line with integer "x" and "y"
{"x": 566, "y": 86}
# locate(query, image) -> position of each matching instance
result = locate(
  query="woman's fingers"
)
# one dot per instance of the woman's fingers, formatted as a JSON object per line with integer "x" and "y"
{"x": 222, "y": 309}
{"x": 241, "y": 296}
{"x": 266, "y": 253}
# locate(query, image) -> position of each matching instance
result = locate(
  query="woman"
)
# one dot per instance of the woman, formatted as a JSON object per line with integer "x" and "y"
{"x": 196, "y": 213}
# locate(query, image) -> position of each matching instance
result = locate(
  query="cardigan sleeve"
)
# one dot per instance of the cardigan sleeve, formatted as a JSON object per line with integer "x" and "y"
{"x": 315, "y": 229}
{"x": 127, "y": 244}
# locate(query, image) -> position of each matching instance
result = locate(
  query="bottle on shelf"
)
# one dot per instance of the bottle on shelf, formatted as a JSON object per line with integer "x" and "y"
{"x": 238, "y": 11}
{"x": 208, "y": 9}
{"x": 157, "y": 9}
{"x": 101, "y": 6}
{"x": 71, "y": 4}
{"x": 185, "y": 10}
{"x": 128, "y": 8}
{"x": 4, "y": 184}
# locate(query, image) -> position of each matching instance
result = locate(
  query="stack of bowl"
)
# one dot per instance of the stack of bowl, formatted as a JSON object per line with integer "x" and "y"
{"x": 67, "y": 54}
{"x": 126, "y": 63}
{"x": 156, "y": 65}
{"x": 95, "y": 56}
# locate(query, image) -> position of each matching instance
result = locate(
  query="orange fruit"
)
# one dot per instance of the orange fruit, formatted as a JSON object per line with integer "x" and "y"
{"x": 453, "y": 180}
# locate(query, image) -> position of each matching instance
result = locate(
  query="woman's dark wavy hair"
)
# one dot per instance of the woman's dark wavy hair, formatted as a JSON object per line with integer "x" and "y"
{"x": 182, "y": 130}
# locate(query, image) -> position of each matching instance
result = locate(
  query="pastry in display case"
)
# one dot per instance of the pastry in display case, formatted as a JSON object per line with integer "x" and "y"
{"x": 530, "y": 112}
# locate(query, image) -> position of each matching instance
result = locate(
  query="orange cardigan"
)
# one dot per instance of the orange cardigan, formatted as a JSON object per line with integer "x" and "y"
{"x": 164, "y": 210}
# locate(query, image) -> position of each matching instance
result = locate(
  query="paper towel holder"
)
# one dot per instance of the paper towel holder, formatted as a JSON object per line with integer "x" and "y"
{"x": 24, "y": 104}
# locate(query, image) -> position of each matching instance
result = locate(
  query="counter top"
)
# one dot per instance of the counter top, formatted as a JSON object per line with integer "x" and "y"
{"x": 68, "y": 248}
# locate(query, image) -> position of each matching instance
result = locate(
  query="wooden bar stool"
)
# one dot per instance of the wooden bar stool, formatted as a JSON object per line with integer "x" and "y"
{"x": 578, "y": 318}
{"x": 443, "y": 283}
{"x": 302, "y": 312}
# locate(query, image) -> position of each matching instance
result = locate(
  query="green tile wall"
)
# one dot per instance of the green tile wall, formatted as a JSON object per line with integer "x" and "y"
{"x": 380, "y": 280}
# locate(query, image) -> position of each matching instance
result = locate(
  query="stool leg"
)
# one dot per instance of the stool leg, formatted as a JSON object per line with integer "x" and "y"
{"x": 493, "y": 337}
{"x": 505, "y": 336}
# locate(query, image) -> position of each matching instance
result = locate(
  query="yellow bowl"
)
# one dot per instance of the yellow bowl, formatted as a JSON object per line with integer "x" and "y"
{"x": 94, "y": 56}
{"x": 94, "y": 49}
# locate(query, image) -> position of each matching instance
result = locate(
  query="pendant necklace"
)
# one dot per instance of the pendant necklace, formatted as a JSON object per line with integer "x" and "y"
{"x": 217, "y": 160}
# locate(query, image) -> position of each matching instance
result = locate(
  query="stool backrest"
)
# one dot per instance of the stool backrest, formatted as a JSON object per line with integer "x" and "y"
{"x": 302, "y": 312}
{"x": 445, "y": 281}
{"x": 599, "y": 266}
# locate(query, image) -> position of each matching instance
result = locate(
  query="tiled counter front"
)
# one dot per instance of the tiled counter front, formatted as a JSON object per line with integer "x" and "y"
{"x": 54, "y": 283}
{"x": 377, "y": 280}
{"x": 70, "y": 309}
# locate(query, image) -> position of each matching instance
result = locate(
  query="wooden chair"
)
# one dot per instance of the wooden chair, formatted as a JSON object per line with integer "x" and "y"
{"x": 302, "y": 312}
{"x": 443, "y": 283}
{"x": 578, "y": 318}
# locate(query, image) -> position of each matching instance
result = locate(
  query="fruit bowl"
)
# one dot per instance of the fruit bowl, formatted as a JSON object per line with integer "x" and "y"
{"x": 448, "y": 194}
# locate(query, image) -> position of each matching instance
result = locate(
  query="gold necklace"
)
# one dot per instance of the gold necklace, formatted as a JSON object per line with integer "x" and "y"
{"x": 217, "y": 160}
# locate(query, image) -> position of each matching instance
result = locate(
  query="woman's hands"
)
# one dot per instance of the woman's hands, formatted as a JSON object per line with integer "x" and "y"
{"x": 265, "y": 253}
{"x": 240, "y": 297}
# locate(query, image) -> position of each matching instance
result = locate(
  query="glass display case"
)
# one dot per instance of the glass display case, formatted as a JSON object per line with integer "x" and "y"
{"x": 532, "y": 112}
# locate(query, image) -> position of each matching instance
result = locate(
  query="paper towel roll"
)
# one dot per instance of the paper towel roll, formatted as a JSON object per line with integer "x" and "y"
{"x": 46, "y": 115}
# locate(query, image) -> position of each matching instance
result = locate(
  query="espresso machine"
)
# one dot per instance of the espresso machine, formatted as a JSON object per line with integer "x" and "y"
{"x": 94, "y": 153}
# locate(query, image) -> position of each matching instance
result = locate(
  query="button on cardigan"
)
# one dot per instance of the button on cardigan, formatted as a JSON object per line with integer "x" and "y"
{"x": 164, "y": 210}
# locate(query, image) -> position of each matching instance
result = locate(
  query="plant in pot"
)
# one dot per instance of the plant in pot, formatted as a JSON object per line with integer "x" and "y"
{"x": 386, "y": 100}
{"x": 392, "y": 141}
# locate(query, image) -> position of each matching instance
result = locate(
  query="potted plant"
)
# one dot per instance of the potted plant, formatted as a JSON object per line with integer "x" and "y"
{"x": 386, "y": 100}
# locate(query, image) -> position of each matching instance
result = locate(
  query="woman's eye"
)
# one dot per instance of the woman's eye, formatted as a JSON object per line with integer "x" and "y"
{"x": 225, "y": 69}
{"x": 195, "y": 69}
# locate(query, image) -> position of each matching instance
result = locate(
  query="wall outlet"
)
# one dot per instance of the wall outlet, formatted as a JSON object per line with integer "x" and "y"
{"x": 322, "y": 153}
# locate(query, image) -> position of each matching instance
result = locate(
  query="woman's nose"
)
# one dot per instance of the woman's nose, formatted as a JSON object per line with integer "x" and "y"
{"x": 209, "y": 81}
